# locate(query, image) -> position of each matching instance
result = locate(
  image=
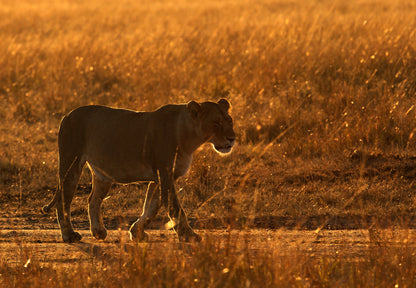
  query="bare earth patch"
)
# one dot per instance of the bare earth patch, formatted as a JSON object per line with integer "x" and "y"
{"x": 45, "y": 245}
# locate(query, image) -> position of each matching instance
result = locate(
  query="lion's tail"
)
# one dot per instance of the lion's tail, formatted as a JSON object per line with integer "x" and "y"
{"x": 47, "y": 208}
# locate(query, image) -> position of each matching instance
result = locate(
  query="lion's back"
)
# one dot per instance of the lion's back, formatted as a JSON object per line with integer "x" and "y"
{"x": 120, "y": 135}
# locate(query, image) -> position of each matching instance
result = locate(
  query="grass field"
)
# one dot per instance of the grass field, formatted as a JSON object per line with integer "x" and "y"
{"x": 323, "y": 96}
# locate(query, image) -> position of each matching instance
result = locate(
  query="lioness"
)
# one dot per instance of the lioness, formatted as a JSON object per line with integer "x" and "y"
{"x": 126, "y": 146}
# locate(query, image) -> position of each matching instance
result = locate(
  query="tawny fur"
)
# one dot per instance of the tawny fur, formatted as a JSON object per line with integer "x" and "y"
{"x": 126, "y": 146}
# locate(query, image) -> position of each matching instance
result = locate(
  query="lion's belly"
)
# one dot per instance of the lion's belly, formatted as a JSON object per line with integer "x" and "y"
{"x": 123, "y": 174}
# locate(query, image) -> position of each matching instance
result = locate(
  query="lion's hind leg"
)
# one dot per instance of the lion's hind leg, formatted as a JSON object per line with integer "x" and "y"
{"x": 150, "y": 208}
{"x": 69, "y": 176}
{"x": 100, "y": 189}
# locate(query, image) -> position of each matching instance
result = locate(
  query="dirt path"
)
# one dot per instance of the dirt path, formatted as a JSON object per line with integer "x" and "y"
{"x": 45, "y": 246}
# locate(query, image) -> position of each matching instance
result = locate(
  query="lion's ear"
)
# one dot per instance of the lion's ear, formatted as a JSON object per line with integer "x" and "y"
{"x": 224, "y": 104}
{"x": 194, "y": 108}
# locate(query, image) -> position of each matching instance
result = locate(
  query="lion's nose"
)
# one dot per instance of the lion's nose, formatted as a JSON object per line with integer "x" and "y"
{"x": 231, "y": 139}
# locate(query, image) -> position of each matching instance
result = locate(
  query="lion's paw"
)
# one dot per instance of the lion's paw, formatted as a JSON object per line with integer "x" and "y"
{"x": 72, "y": 237}
{"x": 99, "y": 234}
{"x": 190, "y": 236}
{"x": 143, "y": 237}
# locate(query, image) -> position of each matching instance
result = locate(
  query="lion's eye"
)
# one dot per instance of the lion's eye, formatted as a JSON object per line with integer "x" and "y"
{"x": 218, "y": 123}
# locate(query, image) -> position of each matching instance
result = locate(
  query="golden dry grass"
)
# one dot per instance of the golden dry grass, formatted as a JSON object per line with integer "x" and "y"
{"x": 310, "y": 83}
{"x": 280, "y": 258}
{"x": 323, "y": 96}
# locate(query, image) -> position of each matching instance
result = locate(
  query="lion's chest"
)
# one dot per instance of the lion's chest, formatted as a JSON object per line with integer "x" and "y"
{"x": 182, "y": 165}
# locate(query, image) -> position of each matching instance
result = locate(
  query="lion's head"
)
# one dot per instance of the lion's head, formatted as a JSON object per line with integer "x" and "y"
{"x": 214, "y": 124}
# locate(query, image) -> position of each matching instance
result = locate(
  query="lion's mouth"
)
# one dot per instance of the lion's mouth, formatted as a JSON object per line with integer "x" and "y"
{"x": 223, "y": 149}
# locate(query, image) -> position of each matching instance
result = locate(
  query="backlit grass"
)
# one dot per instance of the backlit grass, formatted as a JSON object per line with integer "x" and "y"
{"x": 323, "y": 96}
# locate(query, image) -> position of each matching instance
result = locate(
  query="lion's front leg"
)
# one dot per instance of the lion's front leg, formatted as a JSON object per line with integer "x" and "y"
{"x": 178, "y": 217}
{"x": 174, "y": 208}
{"x": 150, "y": 208}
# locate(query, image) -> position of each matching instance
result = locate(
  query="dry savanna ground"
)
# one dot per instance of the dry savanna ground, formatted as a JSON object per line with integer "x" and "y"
{"x": 323, "y": 96}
